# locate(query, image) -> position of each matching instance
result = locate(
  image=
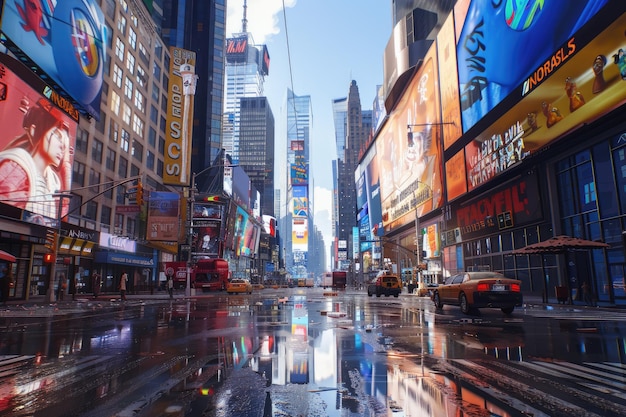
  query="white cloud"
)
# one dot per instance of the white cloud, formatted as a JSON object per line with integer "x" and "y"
{"x": 262, "y": 17}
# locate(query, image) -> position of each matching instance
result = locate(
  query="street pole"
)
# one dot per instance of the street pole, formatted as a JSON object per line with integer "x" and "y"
{"x": 417, "y": 250}
{"x": 192, "y": 198}
{"x": 50, "y": 297}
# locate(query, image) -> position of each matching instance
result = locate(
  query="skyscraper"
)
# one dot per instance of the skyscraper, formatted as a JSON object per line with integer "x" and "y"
{"x": 200, "y": 26}
{"x": 299, "y": 214}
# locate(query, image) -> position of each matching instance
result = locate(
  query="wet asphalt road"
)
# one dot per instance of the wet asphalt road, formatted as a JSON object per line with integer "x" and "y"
{"x": 309, "y": 352}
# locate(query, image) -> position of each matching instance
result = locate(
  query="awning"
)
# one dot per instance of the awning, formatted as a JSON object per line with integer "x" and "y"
{"x": 6, "y": 256}
{"x": 72, "y": 246}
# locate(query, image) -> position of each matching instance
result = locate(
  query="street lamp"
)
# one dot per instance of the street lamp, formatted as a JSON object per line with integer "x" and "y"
{"x": 50, "y": 298}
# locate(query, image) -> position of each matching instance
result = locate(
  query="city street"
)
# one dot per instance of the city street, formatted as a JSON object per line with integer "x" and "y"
{"x": 308, "y": 352}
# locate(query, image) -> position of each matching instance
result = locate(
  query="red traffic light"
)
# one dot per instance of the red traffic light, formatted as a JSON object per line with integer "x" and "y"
{"x": 212, "y": 198}
{"x": 48, "y": 258}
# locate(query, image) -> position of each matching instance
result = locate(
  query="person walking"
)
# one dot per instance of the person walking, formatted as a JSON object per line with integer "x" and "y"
{"x": 96, "y": 284}
{"x": 62, "y": 287}
{"x": 170, "y": 286}
{"x": 122, "y": 286}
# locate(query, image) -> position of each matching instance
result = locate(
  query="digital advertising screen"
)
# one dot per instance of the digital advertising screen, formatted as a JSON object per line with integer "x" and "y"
{"x": 36, "y": 145}
{"x": 163, "y": 216}
{"x": 66, "y": 39}
{"x": 408, "y": 150}
{"x": 531, "y": 31}
{"x": 580, "y": 89}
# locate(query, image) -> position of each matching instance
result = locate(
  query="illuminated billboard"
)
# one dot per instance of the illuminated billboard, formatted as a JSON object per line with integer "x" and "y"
{"x": 237, "y": 49}
{"x": 36, "y": 144}
{"x": 409, "y": 152}
{"x": 163, "y": 218}
{"x": 300, "y": 234}
{"x": 300, "y": 201}
{"x": 579, "y": 90}
{"x": 449, "y": 83}
{"x": 530, "y": 31}
{"x": 179, "y": 122}
{"x": 65, "y": 39}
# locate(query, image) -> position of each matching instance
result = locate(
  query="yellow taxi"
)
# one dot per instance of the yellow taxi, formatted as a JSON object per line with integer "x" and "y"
{"x": 239, "y": 286}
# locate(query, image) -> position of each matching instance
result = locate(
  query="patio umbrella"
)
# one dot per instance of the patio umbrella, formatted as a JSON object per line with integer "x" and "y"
{"x": 5, "y": 256}
{"x": 560, "y": 244}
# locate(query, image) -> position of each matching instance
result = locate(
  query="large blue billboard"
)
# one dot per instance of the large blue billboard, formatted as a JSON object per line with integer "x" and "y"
{"x": 65, "y": 39}
{"x": 500, "y": 43}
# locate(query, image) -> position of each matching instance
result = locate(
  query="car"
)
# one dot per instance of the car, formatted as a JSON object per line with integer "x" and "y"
{"x": 386, "y": 284}
{"x": 239, "y": 286}
{"x": 473, "y": 290}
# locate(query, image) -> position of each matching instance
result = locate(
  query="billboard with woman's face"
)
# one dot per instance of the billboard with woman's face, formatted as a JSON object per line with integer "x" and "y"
{"x": 409, "y": 152}
{"x": 36, "y": 146}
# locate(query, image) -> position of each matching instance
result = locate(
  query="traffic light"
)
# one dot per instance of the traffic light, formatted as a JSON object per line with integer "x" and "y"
{"x": 48, "y": 258}
{"x": 139, "y": 193}
{"x": 212, "y": 198}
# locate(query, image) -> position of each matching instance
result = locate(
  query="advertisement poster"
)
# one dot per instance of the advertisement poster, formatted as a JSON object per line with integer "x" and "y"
{"x": 589, "y": 84}
{"x": 163, "y": 216}
{"x": 409, "y": 152}
{"x": 206, "y": 235}
{"x": 36, "y": 148}
{"x": 490, "y": 30}
{"x": 66, "y": 39}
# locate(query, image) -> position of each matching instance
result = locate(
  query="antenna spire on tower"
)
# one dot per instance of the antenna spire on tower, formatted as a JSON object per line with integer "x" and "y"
{"x": 244, "y": 21}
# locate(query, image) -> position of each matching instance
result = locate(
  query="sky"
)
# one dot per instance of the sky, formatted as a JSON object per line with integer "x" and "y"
{"x": 324, "y": 45}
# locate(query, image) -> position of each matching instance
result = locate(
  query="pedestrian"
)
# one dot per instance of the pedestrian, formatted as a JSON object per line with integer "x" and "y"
{"x": 170, "y": 286}
{"x": 122, "y": 286}
{"x": 96, "y": 284}
{"x": 61, "y": 288}
{"x": 587, "y": 295}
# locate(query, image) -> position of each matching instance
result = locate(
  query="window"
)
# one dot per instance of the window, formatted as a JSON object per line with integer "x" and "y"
{"x": 152, "y": 137}
{"x": 138, "y": 125}
{"x": 124, "y": 5}
{"x": 133, "y": 18}
{"x": 115, "y": 103}
{"x": 125, "y": 142}
{"x": 139, "y": 101}
{"x": 137, "y": 151}
{"x": 108, "y": 194}
{"x": 119, "y": 49}
{"x": 78, "y": 173}
{"x": 118, "y": 74}
{"x": 155, "y": 92}
{"x": 130, "y": 226}
{"x": 127, "y": 114}
{"x": 122, "y": 168}
{"x": 130, "y": 63}
{"x": 91, "y": 210}
{"x": 121, "y": 24}
{"x": 110, "y": 159}
{"x": 132, "y": 35}
{"x": 143, "y": 54}
{"x": 154, "y": 114}
{"x": 94, "y": 180}
{"x": 114, "y": 130}
{"x": 156, "y": 71}
{"x": 128, "y": 88}
{"x": 105, "y": 215}
{"x": 150, "y": 158}
{"x": 96, "y": 151}
{"x": 82, "y": 137}
{"x": 141, "y": 76}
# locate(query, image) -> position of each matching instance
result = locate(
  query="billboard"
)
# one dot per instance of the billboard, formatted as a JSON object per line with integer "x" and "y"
{"x": 163, "y": 216}
{"x": 409, "y": 152}
{"x": 449, "y": 83}
{"x": 237, "y": 49}
{"x": 206, "y": 237}
{"x": 66, "y": 40}
{"x": 299, "y": 174}
{"x": 488, "y": 31}
{"x": 578, "y": 90}
{"x": 300, "y": 201}
{"x": 179, "y": 122}
{"x": 36, "y": 144}
{"x": 300, "y": 234}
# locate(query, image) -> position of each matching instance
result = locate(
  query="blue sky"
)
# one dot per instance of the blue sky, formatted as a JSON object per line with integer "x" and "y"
{"x": 331, "y": 43}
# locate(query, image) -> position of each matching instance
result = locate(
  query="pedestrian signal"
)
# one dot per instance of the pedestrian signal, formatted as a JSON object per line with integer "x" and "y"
{"x": 48, "y": 258}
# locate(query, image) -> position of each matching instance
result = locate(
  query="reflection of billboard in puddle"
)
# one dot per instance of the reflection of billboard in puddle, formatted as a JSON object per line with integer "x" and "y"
{"x": 299, "y": 364}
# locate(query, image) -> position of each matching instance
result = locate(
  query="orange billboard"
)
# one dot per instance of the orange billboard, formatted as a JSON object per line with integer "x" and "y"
{"x": 409, "y": 150}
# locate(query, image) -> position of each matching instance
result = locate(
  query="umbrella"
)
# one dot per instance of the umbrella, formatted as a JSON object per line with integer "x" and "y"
{"x": 560, "y": 244}
{"x": 5, "y": 256}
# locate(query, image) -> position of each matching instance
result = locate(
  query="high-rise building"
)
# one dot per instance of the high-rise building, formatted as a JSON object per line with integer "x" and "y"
{"x": 199, "y": 26}
{"x": 256, "y": 136}
{"x": 299, "y": 214}
{"x": 357, "y": 126}
{"x": 247, "y": 65}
